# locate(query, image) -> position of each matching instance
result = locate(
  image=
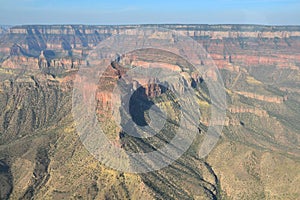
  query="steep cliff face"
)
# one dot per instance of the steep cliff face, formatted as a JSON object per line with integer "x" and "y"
{"x": 227, "y": 44}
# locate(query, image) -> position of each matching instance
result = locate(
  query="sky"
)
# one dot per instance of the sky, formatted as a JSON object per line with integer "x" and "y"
{"x": 269, "y": 12}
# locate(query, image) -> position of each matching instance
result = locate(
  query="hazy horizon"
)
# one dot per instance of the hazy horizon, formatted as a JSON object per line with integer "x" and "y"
{"x": 124, "y": 12}
{"x": 145, "y": 24}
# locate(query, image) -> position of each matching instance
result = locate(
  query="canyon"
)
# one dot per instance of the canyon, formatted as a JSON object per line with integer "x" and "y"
{"x": 257, "y": 156}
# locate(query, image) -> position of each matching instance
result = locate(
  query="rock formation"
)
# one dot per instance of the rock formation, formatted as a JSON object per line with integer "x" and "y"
{"x": 41, "y": 156}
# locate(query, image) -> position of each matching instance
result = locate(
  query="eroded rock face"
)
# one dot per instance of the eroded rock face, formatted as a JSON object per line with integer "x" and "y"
{"x": 228, "y": 45}
{"x": 150, "y": 87}
{"x": 258, "y": 146}
{"x": 262, "y": 97}
{"x": 256, "y": 111}
{"x": 6, "y": 185}
{"x": 30, "y": 103}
